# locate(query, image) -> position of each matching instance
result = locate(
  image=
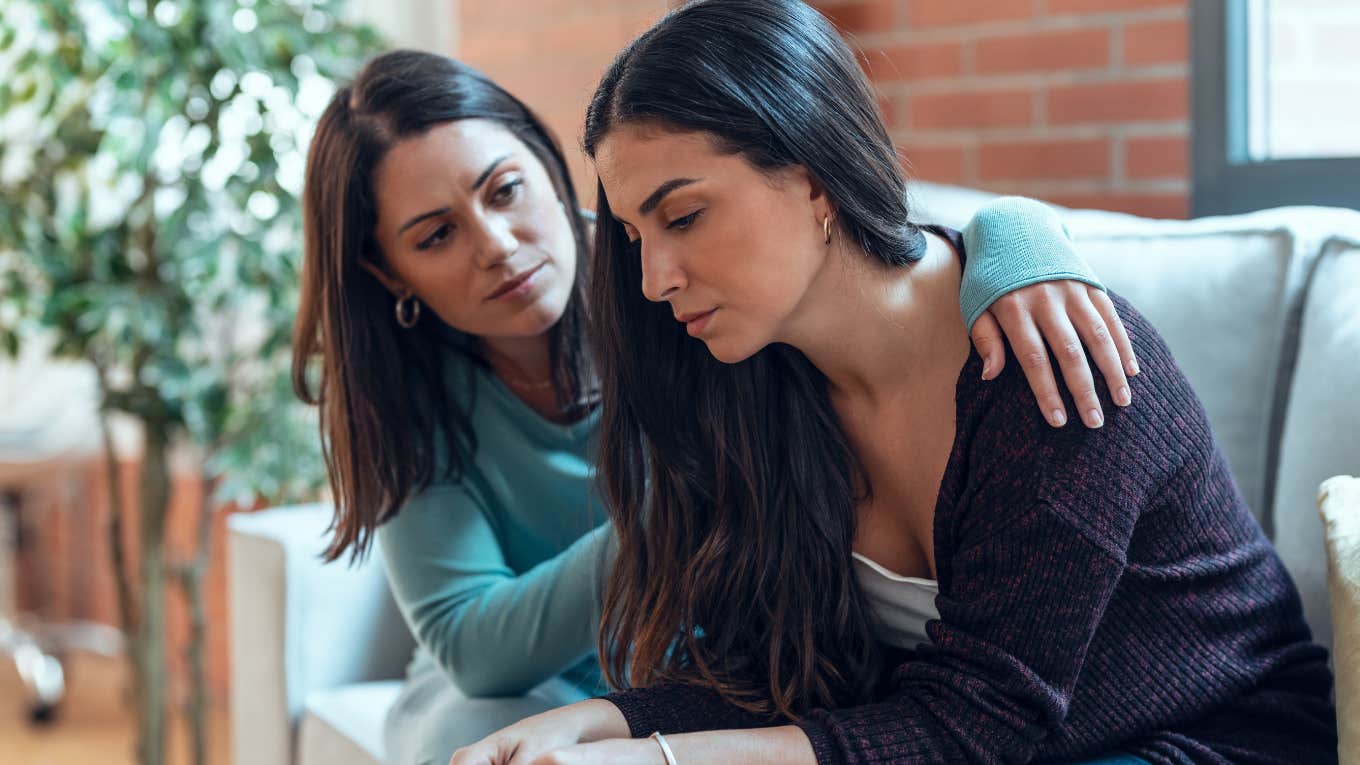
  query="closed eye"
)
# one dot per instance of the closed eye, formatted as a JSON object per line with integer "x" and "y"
{"x": 685, "y": 222}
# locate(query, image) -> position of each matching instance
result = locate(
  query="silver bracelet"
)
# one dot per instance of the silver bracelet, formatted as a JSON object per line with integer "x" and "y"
{"x": 665, "y": 748}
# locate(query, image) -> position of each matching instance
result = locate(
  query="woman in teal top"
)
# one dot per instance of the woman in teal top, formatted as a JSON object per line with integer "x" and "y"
{"x": 441, "y": 335}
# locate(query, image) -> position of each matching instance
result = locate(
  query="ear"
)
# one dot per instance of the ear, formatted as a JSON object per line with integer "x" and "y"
{"x": 817, "y": 196}
{"x": 390, "y": 283}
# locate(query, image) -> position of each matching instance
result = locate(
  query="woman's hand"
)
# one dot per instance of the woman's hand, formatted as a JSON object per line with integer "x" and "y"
{"x": 1065, "y": 314}
{"x": 532, "y": 738}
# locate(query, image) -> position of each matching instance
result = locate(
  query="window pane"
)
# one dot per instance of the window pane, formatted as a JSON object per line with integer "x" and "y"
{"x": 1303, "y": 87}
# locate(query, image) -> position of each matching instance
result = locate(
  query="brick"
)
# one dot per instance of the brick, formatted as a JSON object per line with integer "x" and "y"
{"x": 917, "y": 61}
{"x": 1044, "y": 51}
{"x": 1056, "y": 7}
{"x": 1157, "y": 42}
{"x": 862, "y": 16}
{"x": 1045, "y": 159}
{"x": 1106, "y": 102}
{"x": 977, "y": 109}
{"x": 960, "y": 12}
{"x": 935, "y": 162}
{"x": 1146, "y": 205}
{"x": 1160, "y": 157}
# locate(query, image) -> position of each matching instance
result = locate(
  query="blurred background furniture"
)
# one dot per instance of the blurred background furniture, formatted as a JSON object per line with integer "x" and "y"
{"x": 48, "y": 438}
{"x": 1260, "y": 310}
{"x": 1339, "y": 503}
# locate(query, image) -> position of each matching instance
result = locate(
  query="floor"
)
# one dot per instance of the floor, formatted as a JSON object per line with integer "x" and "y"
{"x": 94, "y": 723}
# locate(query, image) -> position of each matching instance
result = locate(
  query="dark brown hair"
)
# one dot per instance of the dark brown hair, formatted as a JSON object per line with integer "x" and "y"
{"x": 732, "y": 487}
{"x": 381, "y": 389}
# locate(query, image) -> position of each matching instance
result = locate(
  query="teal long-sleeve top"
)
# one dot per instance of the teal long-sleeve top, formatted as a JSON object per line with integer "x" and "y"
{"x": 500, "y": 574}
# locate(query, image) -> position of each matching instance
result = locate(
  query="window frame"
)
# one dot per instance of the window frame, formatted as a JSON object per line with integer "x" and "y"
{"x": 1223, "y": 182}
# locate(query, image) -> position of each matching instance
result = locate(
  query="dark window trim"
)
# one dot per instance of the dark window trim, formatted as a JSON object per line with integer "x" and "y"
{"x": 1218, "y": 36}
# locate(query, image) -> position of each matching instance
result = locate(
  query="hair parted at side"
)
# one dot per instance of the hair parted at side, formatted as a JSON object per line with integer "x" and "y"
{"x": 738, "y": 577}
{"x": 385, "y": 413}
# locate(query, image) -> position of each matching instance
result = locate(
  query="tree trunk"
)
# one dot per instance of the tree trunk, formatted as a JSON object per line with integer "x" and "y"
{"x": 129, "y": 614}
{"x": 190, "y": 578}
{"x": 152, "y": 659}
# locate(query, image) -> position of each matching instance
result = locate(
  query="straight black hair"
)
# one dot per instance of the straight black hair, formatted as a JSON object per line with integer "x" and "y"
{"x": 732, "y": 487}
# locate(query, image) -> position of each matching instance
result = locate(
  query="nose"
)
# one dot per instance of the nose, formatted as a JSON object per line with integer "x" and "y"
{"x": 662, "y": 275}
{"x": 496, "y": 240}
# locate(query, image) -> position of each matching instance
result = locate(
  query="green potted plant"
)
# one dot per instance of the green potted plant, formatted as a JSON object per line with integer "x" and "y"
{"x": 151, "y": 163}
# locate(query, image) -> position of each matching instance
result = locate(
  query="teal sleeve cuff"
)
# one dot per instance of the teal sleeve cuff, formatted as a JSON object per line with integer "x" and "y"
{"x": 1013, "y": 242}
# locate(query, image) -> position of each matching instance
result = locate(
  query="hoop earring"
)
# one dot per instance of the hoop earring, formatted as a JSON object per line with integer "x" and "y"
{"x": 826, "y": 228}
{"x": 408, "y": 311}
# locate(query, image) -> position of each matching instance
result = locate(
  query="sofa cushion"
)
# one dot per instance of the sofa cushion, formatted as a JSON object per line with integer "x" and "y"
{"x": 1322, "y": 424}
{"x": 1339, "y": 504}
{"x": 344, "y": 726}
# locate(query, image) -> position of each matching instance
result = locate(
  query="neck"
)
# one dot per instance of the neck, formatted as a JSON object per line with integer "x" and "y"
{"x": 872, "y": 328}
{"x": 520, "y": 361}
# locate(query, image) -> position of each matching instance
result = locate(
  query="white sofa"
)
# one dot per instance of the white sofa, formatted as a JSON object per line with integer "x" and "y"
{"x": 1261, "y": 310}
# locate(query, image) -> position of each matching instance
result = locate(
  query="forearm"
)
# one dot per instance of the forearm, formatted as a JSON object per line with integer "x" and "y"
{"x": 516, "y": 633}
{"x": 785, "y": 745}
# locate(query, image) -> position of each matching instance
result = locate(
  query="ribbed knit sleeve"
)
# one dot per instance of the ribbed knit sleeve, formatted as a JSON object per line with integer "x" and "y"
{"x": 1013, "y": 242}
{"x": 680, "y": 708}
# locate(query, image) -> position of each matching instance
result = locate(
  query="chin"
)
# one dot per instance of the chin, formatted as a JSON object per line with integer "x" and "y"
{"x": 539, "y": 319}
{"x": 728, "y": 352}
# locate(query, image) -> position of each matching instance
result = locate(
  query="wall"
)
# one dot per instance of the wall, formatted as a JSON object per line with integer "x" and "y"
{"x": 1084, "y": 102}
{"x": 551, "y": 54}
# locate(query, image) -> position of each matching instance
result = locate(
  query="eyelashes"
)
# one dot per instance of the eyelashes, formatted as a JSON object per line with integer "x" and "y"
{"x": 685, "y": 222}
{"x": 437, "y": 236}
{"x": 508, "y": 192}
{"x": 504, "y": 195}
{"x": 634, "y": 247}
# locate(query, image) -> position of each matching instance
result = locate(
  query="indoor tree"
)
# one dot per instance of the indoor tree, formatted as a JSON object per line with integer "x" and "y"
{"x": 151, "y": 162}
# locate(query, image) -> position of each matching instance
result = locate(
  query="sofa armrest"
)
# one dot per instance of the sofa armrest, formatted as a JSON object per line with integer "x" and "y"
{"x": 299, "y": 625}
{"x": 1339, "y": 502}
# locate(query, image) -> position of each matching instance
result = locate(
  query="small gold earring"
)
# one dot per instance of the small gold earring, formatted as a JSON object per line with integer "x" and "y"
{"x": 826, "y": 228}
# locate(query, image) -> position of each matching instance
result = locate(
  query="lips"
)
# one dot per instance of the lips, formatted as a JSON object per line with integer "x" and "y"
{"x": 696, "y": 323}
{"x": 686, "y": 318}
{"x": 513, "y": 282}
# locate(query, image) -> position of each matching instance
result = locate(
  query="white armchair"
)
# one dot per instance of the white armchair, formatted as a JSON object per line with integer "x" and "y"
{"x": 317, "y": 649}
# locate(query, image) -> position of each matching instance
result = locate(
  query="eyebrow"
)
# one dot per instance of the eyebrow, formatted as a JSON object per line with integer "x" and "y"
{"x": 421, "y": 217}
{"x": 491, "y": 168}
{"x": 652, "y": 201}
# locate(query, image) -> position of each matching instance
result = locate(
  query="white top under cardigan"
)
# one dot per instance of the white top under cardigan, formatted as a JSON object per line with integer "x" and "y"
{"x": 901, "y": 604}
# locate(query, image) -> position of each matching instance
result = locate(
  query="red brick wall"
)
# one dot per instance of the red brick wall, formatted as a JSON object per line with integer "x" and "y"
{"x": 1082, "y": 102}
{"x": 551, "y": 53}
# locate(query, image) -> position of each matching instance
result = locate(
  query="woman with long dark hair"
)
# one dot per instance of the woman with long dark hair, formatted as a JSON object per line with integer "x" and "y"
{"x": 837, "y": 545}
{"x": 441, "y": 334}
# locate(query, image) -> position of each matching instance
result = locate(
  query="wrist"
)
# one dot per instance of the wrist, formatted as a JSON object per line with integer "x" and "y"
{"x": 598, "y": 719}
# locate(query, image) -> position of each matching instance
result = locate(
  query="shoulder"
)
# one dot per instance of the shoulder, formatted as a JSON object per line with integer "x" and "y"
{"x": 1126, "y": 463}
